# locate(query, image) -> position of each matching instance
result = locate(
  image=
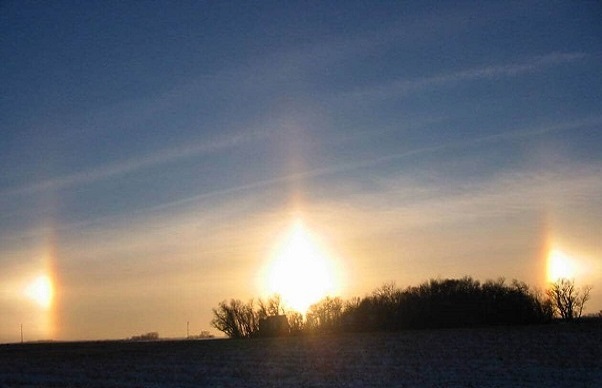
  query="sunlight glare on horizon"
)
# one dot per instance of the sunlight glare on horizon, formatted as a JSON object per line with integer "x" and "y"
{"x": 301, "y": 271}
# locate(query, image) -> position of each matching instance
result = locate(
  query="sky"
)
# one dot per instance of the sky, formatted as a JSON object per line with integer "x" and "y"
{"x": 154, "y": 156}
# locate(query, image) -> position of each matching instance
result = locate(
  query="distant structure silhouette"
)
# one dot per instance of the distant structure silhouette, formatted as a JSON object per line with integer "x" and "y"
{"x": 274, "y": 326}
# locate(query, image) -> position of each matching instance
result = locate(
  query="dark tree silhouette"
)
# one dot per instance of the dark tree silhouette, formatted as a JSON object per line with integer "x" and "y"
{"x": 325, "y": 315}
{"x": 295, "y": 322}
{"x": 236, "y": 319}
{"x": 447, "y": 303}
{"x": 272, "y": 307}
{"x": 242, "y": 320}
{"x": 151, "y": 336}
{"x": 567, "y": 300}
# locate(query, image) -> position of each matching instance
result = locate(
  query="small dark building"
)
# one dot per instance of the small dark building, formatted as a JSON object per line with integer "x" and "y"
{"x": 274, "y": 326}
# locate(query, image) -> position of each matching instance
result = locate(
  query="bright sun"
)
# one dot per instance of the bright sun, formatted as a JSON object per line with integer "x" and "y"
{"x": 41, "y": 291}
{"x": 300, "y": 271}
{"x": 560, "y": 265}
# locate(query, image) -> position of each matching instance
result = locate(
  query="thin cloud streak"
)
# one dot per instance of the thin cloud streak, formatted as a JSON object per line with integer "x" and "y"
{"x": 121, "y": 168}
{"x": 405, "y": 204}
{"x": 404, "y": 87}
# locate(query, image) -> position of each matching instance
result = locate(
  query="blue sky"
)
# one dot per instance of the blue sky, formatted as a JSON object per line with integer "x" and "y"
{"x": 160, "y": 147}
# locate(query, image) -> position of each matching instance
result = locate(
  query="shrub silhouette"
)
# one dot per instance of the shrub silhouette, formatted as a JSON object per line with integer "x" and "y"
{"x": 236, "y": 319}
{"x": 242, "y": 320}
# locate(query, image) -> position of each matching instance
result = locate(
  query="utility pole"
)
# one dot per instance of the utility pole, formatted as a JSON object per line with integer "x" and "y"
{"x": 187, "y": 329}
{"x": 21, "y": 333}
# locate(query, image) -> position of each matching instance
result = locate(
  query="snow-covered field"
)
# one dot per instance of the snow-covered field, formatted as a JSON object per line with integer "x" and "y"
{"x": 542, "y": 356}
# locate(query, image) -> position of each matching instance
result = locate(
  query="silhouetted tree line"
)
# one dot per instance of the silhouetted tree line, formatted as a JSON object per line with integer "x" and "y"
{"x": 447, "y": 303}
{"x": 151, "y": 336}
{"x": 437, "y": 303}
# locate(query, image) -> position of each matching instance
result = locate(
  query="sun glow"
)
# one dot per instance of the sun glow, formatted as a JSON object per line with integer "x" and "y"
{"x": 41, "y": 291}
{"x": 301, "y": 271}
{"x": 560, "y": 265}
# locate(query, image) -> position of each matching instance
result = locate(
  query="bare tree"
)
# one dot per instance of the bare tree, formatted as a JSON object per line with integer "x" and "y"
{"x": 236, "y": 319}
{"x": 295, "y": 322}
{"x": 272, "y": 307}
{"x": 325, "y": 315}
{"x": 583, "y": 297}
{"x": 241, "y": 320}
{"x": 567, "y": 300}
{"x": 388, "y": 294}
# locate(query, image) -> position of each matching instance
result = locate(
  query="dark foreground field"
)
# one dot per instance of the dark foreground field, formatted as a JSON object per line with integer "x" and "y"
{"x": 542, "y": 356}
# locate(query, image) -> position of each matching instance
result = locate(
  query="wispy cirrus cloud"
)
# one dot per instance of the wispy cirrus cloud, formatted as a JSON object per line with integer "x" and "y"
{"x": 402, "y": 87}
{"x": 406, "y": 206}
{"x": 114, "y": 169}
